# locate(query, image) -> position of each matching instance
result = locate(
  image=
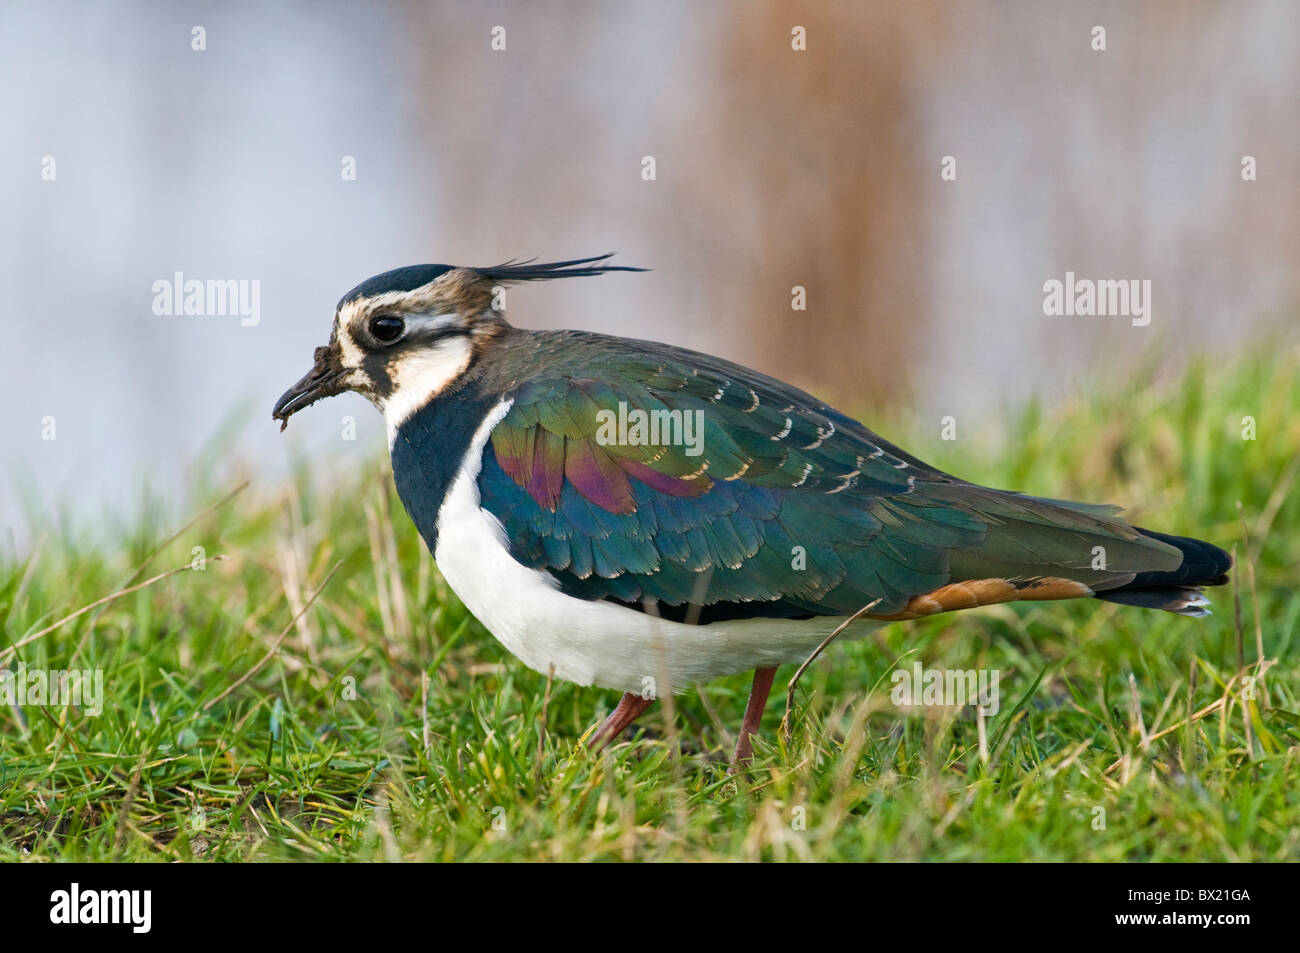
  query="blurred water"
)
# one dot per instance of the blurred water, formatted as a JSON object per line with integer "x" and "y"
{"x": 219, "y": 164}
{"x": 225, "y": 164}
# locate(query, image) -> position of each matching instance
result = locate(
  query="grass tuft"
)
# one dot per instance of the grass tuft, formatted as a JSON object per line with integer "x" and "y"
{"x": 321, "y": 695}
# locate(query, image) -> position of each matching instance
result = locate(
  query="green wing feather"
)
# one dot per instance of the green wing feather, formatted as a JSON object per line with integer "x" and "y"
{"x": 782, "y": 505}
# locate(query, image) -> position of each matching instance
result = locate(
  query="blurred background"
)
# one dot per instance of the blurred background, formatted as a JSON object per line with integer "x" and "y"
{"x": 774, "y": 167}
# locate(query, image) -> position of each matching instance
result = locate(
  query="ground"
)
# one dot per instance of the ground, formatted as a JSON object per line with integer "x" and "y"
{"x": 385, "y": 723}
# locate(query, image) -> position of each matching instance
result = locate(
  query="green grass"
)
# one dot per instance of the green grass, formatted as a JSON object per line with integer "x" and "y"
{"x": 389, "y": 725}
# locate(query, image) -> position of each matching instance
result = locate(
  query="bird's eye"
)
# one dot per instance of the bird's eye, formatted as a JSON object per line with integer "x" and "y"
{"x": 387, "y": 328}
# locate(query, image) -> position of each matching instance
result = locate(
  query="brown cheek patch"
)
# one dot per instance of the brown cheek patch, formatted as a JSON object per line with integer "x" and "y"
{"x": 973, "y": 593}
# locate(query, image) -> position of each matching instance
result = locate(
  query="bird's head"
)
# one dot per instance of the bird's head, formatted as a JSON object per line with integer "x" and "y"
{"x": 403, "y": 337}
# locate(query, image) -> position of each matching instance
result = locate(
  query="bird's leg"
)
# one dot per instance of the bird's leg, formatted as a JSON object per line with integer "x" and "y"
{"x": 630, "y": 708}
{"x": 753, "y": 716}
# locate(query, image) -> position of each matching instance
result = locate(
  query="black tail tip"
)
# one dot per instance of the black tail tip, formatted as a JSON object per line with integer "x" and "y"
{"x": 1180, "y": 590}
{"x": 1204, "y": 564}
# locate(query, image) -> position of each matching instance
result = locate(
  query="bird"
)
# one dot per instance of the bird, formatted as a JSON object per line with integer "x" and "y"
{"x": 636, "y": 516}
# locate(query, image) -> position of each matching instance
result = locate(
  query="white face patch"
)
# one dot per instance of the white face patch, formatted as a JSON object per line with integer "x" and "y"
{"x": 350, "y": 357}
{"x": 354, "y": 316}
{"x": 416, "y": 323}
{"x": 420, "y": 375}
{"x": 415, "y": 375}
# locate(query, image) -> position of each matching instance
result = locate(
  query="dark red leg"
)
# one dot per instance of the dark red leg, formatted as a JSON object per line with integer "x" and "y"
{"x": 630, "y": 708}
{"x": 753, "y": 716}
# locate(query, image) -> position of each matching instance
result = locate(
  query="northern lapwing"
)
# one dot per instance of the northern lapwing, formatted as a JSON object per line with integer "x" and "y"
{"x": 641, "y": 517}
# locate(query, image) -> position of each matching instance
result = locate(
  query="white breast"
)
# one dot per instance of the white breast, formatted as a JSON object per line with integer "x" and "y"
{"x": 594, "y": 643}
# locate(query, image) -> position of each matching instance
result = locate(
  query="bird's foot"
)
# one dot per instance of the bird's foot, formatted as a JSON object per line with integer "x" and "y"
{"x": 630, "y": 708}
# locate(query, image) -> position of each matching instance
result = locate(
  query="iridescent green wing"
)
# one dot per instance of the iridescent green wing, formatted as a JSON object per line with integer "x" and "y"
{"x": 669, "y": 476}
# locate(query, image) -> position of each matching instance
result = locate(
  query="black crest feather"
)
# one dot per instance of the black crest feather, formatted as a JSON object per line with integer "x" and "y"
{"x": 528, "y": 271}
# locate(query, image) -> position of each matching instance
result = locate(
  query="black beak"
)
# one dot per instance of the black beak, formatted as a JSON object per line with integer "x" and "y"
{"x": 323, "y": 380}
